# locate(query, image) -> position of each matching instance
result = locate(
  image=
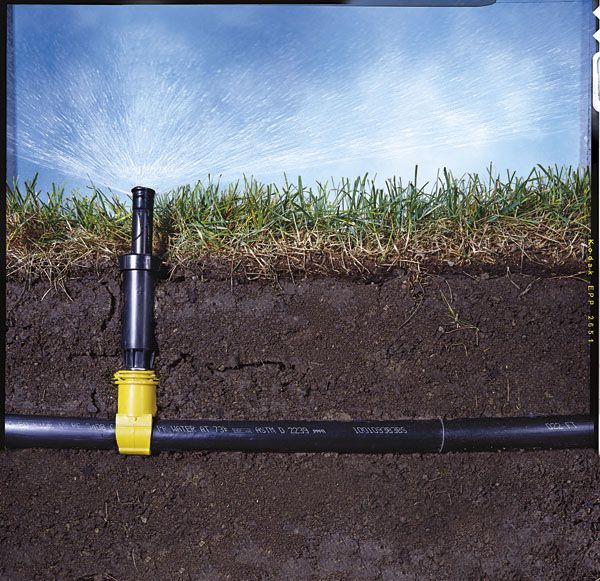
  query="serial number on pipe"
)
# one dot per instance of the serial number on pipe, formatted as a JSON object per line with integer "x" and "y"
{"x": 379, "y": 430}
{"x": 561, "y": 425}
{"x": 261, "y": 430}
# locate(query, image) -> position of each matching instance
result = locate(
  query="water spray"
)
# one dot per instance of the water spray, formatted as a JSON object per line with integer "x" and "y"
{"x": 318, "y": 112}
{"x": 135, "y": 431}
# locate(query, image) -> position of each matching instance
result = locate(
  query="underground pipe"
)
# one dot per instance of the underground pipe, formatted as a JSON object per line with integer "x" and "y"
{"x": 408, "y": 436}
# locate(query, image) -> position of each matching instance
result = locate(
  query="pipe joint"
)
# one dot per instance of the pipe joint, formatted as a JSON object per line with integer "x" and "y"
{"x": 135, "y": 410}
{"x": 139, "y": 262}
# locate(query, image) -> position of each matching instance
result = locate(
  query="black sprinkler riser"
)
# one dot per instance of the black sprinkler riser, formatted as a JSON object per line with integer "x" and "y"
{"x": 139, "y": 270}
{"x": 137, "y": 331}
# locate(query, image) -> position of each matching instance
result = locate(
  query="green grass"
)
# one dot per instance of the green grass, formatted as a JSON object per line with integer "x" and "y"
{"x": 335, "y": 226}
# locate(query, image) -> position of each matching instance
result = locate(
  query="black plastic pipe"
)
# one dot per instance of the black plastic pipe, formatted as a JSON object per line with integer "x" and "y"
{"x": 408, "y": 436}
{"x": 139, "y": 275}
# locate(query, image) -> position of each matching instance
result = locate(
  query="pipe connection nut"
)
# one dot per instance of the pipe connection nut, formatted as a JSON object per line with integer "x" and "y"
{"x": 135, "y": 410}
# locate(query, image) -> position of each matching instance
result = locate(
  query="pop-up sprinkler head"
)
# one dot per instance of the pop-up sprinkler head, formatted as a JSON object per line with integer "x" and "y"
{"x": 139, "y": 274}
{"x": 137, "y": 381}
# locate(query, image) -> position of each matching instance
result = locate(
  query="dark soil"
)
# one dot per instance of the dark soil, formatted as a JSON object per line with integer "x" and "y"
{"x": 313, "y": 349}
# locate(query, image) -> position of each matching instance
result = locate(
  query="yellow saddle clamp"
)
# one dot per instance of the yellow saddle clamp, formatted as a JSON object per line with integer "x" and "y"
{"x": 135, "y": 409}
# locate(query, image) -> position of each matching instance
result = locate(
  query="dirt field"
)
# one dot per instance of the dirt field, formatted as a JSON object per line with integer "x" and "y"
{"x": 482, "y": 343}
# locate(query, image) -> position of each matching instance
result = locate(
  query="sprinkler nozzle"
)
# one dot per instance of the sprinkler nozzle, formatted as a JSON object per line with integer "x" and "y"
{"x": 139, "y": 274}
{"x": 142, "y": 214}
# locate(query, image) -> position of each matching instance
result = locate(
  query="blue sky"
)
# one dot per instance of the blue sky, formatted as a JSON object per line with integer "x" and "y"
{"x": 164, "y": 95}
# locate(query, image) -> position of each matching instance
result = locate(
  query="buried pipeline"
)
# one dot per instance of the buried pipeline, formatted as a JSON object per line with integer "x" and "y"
{"x": 135, "y": 430}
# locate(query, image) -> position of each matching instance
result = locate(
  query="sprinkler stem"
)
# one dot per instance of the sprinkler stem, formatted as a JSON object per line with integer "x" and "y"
{"x": 137, "y": 381}
{"x": 139, "y": 274}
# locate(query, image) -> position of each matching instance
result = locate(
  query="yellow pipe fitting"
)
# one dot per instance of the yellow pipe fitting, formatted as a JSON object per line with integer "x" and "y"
{"x": 135, "y": 409}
